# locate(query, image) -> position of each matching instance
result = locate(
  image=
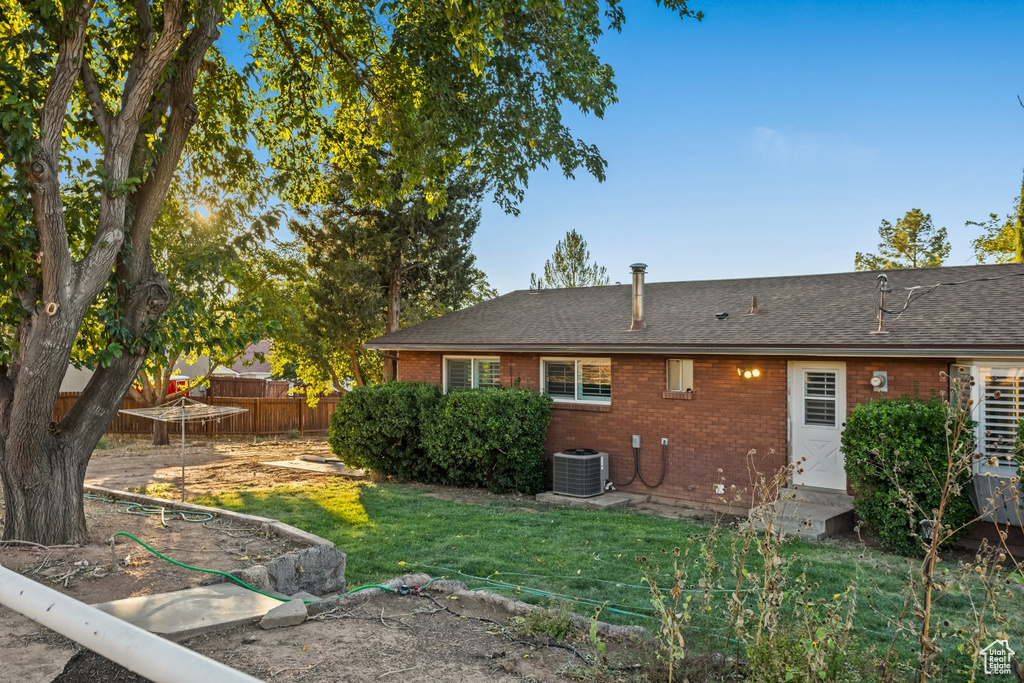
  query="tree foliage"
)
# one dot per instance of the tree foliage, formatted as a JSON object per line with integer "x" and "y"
{"x": 102, "y": 101}
{"x": 1001, "y": 239}
{"x": 914, "y": 242}
{"x": 374, "y": 268}
{"x": 206, "y": 259}
{"x": 570, "y": 266}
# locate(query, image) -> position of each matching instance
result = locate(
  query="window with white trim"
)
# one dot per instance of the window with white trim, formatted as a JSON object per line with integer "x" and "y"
{"x": 471, "y": 373}
{"x": 819, "y": 398}
{"x": 678, "y": 374}
{"x": 1002, "y": 407}
{"x": 577, "y": 379}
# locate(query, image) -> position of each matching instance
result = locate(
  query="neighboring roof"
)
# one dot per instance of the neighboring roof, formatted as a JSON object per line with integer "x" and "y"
{"x": 978, "y": 311}
{"x": 246, "y": 363}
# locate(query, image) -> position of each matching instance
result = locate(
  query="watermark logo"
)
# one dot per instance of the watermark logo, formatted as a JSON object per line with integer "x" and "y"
{"x": 996, "y": 658}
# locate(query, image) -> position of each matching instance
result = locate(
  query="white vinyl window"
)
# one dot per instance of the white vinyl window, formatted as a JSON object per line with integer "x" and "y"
{"x": 577, "y": 379}
{"x": 471, "y": 373}
{"x": 679, "y": 374}
{"x": 1001, "y": 410}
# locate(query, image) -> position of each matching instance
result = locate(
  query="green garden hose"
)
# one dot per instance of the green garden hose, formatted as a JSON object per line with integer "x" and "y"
{"x": 243, "y": 584}
{"x": 152, "y": 510}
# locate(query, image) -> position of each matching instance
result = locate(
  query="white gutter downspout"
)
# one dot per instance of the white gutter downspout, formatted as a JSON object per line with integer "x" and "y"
{"x": 144, "y": 653}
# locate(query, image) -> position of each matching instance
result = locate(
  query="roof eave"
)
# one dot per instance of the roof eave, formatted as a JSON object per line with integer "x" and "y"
{"x": 794, "y": 350}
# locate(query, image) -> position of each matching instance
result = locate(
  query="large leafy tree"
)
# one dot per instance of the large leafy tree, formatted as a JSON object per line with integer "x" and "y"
{"x": 570, "y": 266}
{"x": 101, "y": 102}
{"x": 370, "y": 264}
{"x": 206, "y": 258}
{"x": 1001, "y": 239}
{"x": 913, "y": 242}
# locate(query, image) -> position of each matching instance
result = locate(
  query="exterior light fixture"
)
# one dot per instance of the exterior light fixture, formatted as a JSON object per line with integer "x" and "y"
{"x": 752, "y": 373}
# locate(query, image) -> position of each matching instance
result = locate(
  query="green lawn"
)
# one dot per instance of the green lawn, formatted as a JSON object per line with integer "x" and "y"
{"x": 581, "y": 556}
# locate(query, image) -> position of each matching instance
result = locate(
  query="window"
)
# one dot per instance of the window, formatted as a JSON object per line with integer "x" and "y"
{"x": 679, "y": 375}
{"x": 1002, "y": 407}
{"x": 471, "y": 373}
{"x": 584, "y": 379}
{"x": 820, "y": 399}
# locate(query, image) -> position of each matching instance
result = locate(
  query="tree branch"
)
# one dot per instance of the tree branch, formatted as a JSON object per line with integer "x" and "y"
{"x": 147, "y": 66}
{"x": 95, "y": 97}
{"x": 43, "y": 172}
{"x": 358, "y": 70}
{"x": 150, "y": 197}
{"x": 65, "y": 74}
{"x": 205, "y": 378}
{"x": 102, "y": 396}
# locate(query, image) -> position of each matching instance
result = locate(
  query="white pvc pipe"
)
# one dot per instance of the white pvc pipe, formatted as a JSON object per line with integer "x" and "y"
{"x": 144, "y": 653}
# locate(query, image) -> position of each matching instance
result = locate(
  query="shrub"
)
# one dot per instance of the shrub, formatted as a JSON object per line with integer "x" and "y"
{"x": 897, "y": 457}
{"x": 491, "y": 437}
{"x": 379, "y": 428}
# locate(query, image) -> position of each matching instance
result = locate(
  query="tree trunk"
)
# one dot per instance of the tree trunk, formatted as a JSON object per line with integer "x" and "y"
{"x": 160, "y": 436}
{"x": 52, "y": 511}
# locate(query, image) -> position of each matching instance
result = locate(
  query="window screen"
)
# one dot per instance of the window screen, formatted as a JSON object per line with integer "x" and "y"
{"x": 560, "y": 379}
{"x": 488, "y": 373}
{"x": 460, "y": 373}
{"x": 820, "y": 399}
{"x": 595, "y": 381}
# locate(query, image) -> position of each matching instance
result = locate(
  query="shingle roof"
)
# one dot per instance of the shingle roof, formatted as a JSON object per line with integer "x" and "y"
{"x": 981, "y": 314}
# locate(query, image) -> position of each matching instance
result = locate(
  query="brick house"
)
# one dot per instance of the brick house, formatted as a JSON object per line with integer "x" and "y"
{"x": 720, "y": 368}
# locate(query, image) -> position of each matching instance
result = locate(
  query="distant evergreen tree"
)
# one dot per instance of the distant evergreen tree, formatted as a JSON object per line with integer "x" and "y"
{"x": 914, "y": 242}
{"x": 570, "y": 266}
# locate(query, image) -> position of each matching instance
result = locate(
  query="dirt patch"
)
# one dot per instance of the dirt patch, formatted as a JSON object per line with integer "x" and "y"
{"x": 210, "y": 466}
{"x": 414, "y": 639}
{"x": 94, "y": 573}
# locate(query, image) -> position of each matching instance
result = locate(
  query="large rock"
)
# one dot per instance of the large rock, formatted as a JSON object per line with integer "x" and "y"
{"x": 318, "y": 570}
{"x": 291, "y": 613}
{"x": 256, "y": 576}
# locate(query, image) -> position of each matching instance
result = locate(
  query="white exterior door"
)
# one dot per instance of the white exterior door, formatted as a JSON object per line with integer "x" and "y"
{"x": 817, "y": 415}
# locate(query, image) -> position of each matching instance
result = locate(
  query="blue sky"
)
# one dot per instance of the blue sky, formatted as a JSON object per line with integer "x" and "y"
{"x": 773, "y": 138}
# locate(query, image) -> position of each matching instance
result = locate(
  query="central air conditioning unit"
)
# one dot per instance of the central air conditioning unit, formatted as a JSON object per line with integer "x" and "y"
{"x": 579, "y": 472}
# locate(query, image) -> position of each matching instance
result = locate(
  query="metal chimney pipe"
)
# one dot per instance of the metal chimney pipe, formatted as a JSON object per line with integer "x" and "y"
{"x": 638, "y": 296}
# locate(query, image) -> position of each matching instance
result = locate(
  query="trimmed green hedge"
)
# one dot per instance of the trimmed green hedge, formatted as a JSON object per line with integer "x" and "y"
{"x": 378, "y": 428}
{"x": 492, "y": 438}
{"x": 902, "y": 441}
{"x": 482, "y": 437}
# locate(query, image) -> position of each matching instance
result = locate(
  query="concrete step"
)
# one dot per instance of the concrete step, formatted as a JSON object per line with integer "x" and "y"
{"x": 186, "y": 613}
{"x": 608, "y": 499}
{"x": 810, "y": 521}
{"x": 810, "y": 494}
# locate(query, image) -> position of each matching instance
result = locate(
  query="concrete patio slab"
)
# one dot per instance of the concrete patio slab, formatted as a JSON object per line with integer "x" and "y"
{"x": 611, "y": 499}
{"x": 328, "y": 467}
{"x": 183, "y": 614}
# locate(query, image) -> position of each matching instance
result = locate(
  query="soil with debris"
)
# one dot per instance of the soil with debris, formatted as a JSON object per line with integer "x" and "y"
{"x": 99, "y": 573}
{"x": 429, "y": 638}
{"x": 211, "y": 466}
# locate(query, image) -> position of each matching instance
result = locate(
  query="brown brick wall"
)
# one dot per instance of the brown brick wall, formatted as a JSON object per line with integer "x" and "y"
{"x": 710, "y": 436}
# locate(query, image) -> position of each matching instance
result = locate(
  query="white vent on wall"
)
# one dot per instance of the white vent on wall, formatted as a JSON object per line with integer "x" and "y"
{"x": 580, "y": 472}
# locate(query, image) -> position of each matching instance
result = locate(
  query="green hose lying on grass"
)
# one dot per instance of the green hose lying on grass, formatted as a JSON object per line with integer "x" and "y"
{"x": 243, "y": 583}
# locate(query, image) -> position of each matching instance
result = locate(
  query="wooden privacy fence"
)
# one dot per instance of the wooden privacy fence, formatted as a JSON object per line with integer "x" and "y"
{"x": 265, "y": 417}
{"x": 243, "y": 387}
